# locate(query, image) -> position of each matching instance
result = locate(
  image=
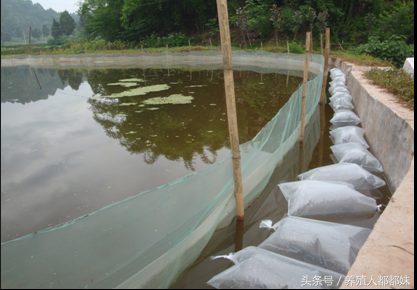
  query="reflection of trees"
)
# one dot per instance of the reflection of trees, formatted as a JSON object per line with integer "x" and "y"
{"x": 20, "y": 83}
{"x": 184, "y": 132}
{"x": 71, "y": 77}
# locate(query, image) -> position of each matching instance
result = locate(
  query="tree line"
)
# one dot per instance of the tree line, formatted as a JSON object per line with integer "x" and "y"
{"x": 350, "y": 20}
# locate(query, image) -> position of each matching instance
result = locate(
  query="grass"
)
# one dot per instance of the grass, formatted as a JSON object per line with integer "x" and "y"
{"x": 362, "y": 60}
{"x": 395, "y": 81}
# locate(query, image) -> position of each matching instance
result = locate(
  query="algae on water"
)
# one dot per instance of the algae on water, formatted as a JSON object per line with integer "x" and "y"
{"x": 139, "y": 91}
{"x": 126, "y": 85}
{"x": 173, "y": 99}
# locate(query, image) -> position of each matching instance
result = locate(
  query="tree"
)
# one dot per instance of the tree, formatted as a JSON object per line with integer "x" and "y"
{"x": 45, "y": 31}
{"x": 18, "y": 32}
{"x": 6, "y": 37}
{"x": 56, "y": 29}
{"x": 67, "y": 23}
{"x": 37, "y": 33}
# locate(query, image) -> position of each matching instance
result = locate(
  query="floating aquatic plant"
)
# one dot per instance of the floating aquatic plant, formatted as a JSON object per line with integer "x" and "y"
{"x": 132, "y": 80}
{"x": 126, "y": 85}
{"x": 139, "y": 91}
{"x": 127, "y": 104}
{"x": 173, "y": 99}
{"x": 196, "y": 86}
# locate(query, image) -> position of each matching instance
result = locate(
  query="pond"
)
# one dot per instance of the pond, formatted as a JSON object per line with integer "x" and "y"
{"x": 74, "y": 141}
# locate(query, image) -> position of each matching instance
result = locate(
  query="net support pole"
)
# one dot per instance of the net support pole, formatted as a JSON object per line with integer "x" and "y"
{"x": 231, "y": 104}
{"x": 305, "y": 80}
{"x": 326, "y": 66}
{"x": 321, "y": 43}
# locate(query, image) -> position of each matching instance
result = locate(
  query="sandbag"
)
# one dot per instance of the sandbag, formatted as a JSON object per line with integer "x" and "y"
{"x": 337, "y": 82}
{"x": 357, "y": 154}
{"x": 338, "y": 89}
{"x": 348, "y": 134}
{"x": 261, "y": 269}
{"x": 345, "y": 118}
{"x": 349, "y": 173}
{"x": 342, "y": 104}
{"x": 344, "y": 95}
{"x": 314, "y": 198}
{"x": 329, "y": 245}
{"x": 339, "y": 78}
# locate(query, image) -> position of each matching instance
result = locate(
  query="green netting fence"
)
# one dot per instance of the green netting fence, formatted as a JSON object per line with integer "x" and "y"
{"x": 146, "y": 240}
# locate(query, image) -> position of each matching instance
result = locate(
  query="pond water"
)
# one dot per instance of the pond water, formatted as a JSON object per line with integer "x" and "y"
{"x": 74, "y": 141}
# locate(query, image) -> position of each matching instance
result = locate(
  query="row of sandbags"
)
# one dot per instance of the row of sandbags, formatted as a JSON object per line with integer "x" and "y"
{"x": 304, "y": 252}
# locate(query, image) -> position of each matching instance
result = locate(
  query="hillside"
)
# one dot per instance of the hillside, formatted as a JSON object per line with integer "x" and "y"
{"x": 18, "y": 15}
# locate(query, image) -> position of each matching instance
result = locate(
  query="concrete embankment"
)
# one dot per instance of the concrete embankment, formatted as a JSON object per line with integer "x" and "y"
{"x": 387, "y": 258}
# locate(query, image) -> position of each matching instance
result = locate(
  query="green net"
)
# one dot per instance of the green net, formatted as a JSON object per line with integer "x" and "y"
{"x": 146, "y": 240}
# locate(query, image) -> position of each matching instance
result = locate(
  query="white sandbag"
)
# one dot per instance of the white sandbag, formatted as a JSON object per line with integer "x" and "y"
{"x": 342, "y": 104}
{"x": 348, "y": 134}
{"x": 350, "y": 173}
{"x": 338, "y": 89}
{"x": 345, "y": 118}
{"x": 261, "y": 269}
{"x": 329, "y": 245}
{"x": 344, "y": 95}
{"x": 338, "y": 84}
{"x": 357, "y": 154}
{"x": 316, "y": 198}
{"x": 339, "y": 78}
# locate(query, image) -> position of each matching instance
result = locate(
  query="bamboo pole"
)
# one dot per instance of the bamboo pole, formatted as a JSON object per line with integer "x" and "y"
{"x": 231, "y": 104}
{"x": 321, "y": 43}
{"x": 40, "y": 87}
{"x": 189, "y": 46}
{"x": 288, "y": 48}
{"x": 305, "y": 80}
{"x": 311, "y": 41}
{"x": 211, "y": 47}
{"x": 326, "y": 66}
{"x": 240, "y": 227}
{"x": 301, "y": 159}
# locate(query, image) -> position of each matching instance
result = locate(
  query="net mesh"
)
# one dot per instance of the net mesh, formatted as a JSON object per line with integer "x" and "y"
{"x": 146, "y": 240}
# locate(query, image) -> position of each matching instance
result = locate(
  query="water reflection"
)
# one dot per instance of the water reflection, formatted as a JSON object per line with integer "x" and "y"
{"x": 58, "y": 162}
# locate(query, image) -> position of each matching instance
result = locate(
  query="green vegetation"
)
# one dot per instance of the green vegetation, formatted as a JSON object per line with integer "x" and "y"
{"x": 394, "y": 49}
{"x": 396, "y": 81}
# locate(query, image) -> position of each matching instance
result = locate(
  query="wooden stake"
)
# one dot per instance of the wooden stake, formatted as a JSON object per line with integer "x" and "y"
{"x": 189, "y": 46}
{"x": 326, "y": 67}
{"x": 288, "y": 48}
{"x": 305, "y": 80}
{"x": 321, "y": 43}
{"x": 231, "y": 104}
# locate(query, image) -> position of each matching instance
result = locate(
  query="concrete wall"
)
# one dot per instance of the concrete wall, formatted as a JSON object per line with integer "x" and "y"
{"x": 389, "y": 125}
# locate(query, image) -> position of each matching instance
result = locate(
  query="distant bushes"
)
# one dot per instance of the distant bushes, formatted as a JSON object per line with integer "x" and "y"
{"x": 172, "y": 40}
